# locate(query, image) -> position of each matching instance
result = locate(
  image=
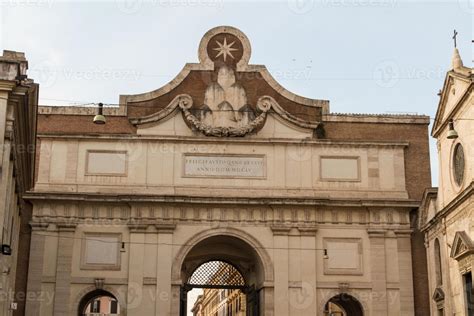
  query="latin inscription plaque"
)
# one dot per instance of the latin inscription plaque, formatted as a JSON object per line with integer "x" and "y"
{"x": 224, "y": 166}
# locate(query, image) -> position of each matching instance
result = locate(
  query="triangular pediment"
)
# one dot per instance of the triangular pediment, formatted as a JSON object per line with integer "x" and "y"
{"x": 223, "y": 95}
{"x": 455, "y": 88}
{"x": 438, "y": 295}
{"x": 462, "y": 245}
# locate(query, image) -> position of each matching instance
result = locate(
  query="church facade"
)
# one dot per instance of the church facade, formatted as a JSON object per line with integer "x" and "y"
{"x": 309, "y": 209}
{"x": 446, "y": 214}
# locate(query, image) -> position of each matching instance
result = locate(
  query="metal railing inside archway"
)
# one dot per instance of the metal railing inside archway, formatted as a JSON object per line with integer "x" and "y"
{"x": 222, "y": 290}
{"x": 217, "y": 274}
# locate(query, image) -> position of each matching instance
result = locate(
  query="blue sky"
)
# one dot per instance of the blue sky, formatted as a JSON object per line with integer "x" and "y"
{"x": 365, "y": 56}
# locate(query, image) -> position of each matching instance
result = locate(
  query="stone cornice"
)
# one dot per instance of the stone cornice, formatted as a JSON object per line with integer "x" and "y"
{"x": 172, "y": 199}
{"x": 6, "y": 85}
{"x": 460, "y": 198}
{"x": 80, "y": 110}
{"x": 376, "y": 118}
{"x": 207, "y": 140}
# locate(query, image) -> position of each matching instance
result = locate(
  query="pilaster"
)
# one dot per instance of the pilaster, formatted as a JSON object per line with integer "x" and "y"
{"x": 163, "y": 273}
{"x": 378, "y": 271}
{"x": 35, "y": 269}
{"x": 407, "y": 304}
{"x": 135, "y": 270}
{"x": 62, "y": 291}
{"x": 281, "y": 264}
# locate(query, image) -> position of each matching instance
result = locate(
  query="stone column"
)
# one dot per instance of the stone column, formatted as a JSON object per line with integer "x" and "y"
{"x": 35, "y": 269}
{"x": 378, "y": 272}
{"x": 280, "y": 257}
{"x": 62, "y": 291}
{"x": 406, "y": 274}
{"x": 165, "y": 305}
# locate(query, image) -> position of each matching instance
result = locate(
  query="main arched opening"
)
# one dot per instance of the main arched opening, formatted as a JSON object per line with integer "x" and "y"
{"x": 343, "y": 305}
{"x": 221, "y": 275}
{"x": 99, "y": 302}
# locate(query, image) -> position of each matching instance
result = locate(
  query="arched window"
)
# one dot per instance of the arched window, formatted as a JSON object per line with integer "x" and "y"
{"x": 437, "y": 258}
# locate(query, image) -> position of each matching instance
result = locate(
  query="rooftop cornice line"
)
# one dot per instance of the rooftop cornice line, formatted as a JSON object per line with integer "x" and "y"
{"x": 180, "y": 199}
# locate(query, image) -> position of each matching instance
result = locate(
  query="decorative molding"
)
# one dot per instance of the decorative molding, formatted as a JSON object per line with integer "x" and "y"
{"x": 164, "y": 228}
{"x": 308, "y": 231}
{"x": 454, "y": 205}
{"x": 344, "y": 287}
{"x": 38, "y": 226}
{"x": 280, "y": 230}
{"x": 99, "y": 283}
{"x": 376, "y": 118}
{"x": 41, "y": 197}
{"x": 236, "y": 140}
{"x": 376, "y": 233}
{"x": 66, "y": 227}
{"x": 185, "y": 103}
{"x": 403, "y": 233}
{"x": 462, "y": 246}
{"x": 137, "y": 227}
{"x": 149, "y": 281}
{"x": 438, "y": 297}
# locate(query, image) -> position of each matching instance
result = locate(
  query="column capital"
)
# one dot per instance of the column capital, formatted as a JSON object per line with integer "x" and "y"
{"x": 280, "y": 230}
{"x": 403, "y": 233}
{"x": 308, "y": 231}
{"x": 137, "y": 227}
{"x": 36, "y": 226}
{"x": 66, "y": 227}
{"x": 376, "y": 233}
{"x": 165, "y": 228}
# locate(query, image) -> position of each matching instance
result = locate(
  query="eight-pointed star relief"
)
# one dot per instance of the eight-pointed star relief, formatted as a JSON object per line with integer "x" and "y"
{"x": 225, "y": 49}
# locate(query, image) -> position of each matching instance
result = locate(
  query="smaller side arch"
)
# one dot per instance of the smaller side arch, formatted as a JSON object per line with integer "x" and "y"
{"x": 347, "y": 295}
{"x": 92, "y": 291}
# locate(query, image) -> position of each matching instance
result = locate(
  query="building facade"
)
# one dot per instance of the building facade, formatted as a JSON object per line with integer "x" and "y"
{"x": 446, "y": 214}
{"x": 18, "y": 106}
{"x": 312, "y": 208}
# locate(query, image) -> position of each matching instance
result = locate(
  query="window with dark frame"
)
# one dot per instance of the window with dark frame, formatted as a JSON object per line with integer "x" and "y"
{"x": 458, "y": 164}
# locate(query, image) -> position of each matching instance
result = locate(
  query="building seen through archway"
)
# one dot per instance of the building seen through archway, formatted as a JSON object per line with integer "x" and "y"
{"x": 99, "y": 303}
{"x": 223, "y": 291}
{"x": 343, "y": 305}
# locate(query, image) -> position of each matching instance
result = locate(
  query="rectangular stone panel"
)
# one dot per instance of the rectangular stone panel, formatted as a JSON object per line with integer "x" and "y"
{"x": 224, "y": 166}
{"x": 340, "y": 168}
{"x": 344, "y": 256}
{"x": 101, "y": 251}
{"x": 106, "y": 163}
